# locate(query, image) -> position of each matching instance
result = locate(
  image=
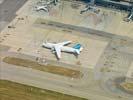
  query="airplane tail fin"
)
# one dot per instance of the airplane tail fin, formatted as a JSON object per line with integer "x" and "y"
{"x": 77, "y": 51}
{"x": 78, "y": 47}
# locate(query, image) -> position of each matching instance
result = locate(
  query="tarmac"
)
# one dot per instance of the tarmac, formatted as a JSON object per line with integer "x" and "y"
{"x": 8, "y": 9}
{"x": 107, "y": 53}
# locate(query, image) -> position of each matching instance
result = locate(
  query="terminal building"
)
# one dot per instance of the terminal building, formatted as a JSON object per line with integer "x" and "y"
{"x": 116, "y": 4}
{"x": 123, "y": 5}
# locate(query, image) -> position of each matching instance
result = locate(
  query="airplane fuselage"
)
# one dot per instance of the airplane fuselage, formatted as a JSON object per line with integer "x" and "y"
{"x": 63, "y": 48}
{"x": 45, "y": 8}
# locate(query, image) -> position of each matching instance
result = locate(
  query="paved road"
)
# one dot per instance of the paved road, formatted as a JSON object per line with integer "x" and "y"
{"x": 8, "y": 10}
{"x": 68, "y": 27}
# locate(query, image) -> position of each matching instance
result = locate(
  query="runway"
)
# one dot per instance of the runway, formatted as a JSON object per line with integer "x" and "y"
{"x": 8, "y": 9}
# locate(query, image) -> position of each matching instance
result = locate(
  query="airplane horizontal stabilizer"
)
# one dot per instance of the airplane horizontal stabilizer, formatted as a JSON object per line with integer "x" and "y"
{"x": 78, "y": 46}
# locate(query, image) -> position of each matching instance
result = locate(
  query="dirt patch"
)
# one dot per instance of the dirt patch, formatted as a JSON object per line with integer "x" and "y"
{"x": 127, "y": 86}
{"x": 59, "y": 70}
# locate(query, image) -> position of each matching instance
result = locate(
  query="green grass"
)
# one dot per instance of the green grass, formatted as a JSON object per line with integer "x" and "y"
{"x": 15, "y": 91}
{"x": 127, "y": 86}
{"x": 46, "y": 68}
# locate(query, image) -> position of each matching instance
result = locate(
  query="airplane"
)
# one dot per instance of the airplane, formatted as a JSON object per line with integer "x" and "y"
{"x": 57, "y": 48}
{"x": 44, "y": 8}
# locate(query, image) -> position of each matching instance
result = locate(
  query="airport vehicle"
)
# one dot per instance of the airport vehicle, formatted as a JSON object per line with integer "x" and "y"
{"x": 57, "y": 48}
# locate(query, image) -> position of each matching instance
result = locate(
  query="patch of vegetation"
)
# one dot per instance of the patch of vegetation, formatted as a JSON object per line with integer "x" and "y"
{"x": 15, "y": 91}
{"x": 127, "y": 86}
{"x": 46, "y": 68}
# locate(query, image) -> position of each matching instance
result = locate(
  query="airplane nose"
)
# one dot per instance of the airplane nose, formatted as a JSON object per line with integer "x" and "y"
{"x": 43, "y": 45}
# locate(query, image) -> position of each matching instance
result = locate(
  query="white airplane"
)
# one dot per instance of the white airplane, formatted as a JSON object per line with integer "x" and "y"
{"x": 58, "y": 47}
{"x": 44, "y": 8}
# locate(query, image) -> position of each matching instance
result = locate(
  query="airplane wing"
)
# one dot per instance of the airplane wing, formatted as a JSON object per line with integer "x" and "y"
{"x": 58, "y": 51}
{"x": 45, "y": 9}
{"x": 65, "y": 43}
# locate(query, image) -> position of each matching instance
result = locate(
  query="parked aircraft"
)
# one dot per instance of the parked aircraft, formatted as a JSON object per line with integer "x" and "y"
{"x": 45, "y": 5}
{"x": 57, "y": 48}
{"x": 44, "y": 8}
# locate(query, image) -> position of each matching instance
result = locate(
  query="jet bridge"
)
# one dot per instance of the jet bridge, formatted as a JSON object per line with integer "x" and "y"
{"x": 130, "y": 15}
